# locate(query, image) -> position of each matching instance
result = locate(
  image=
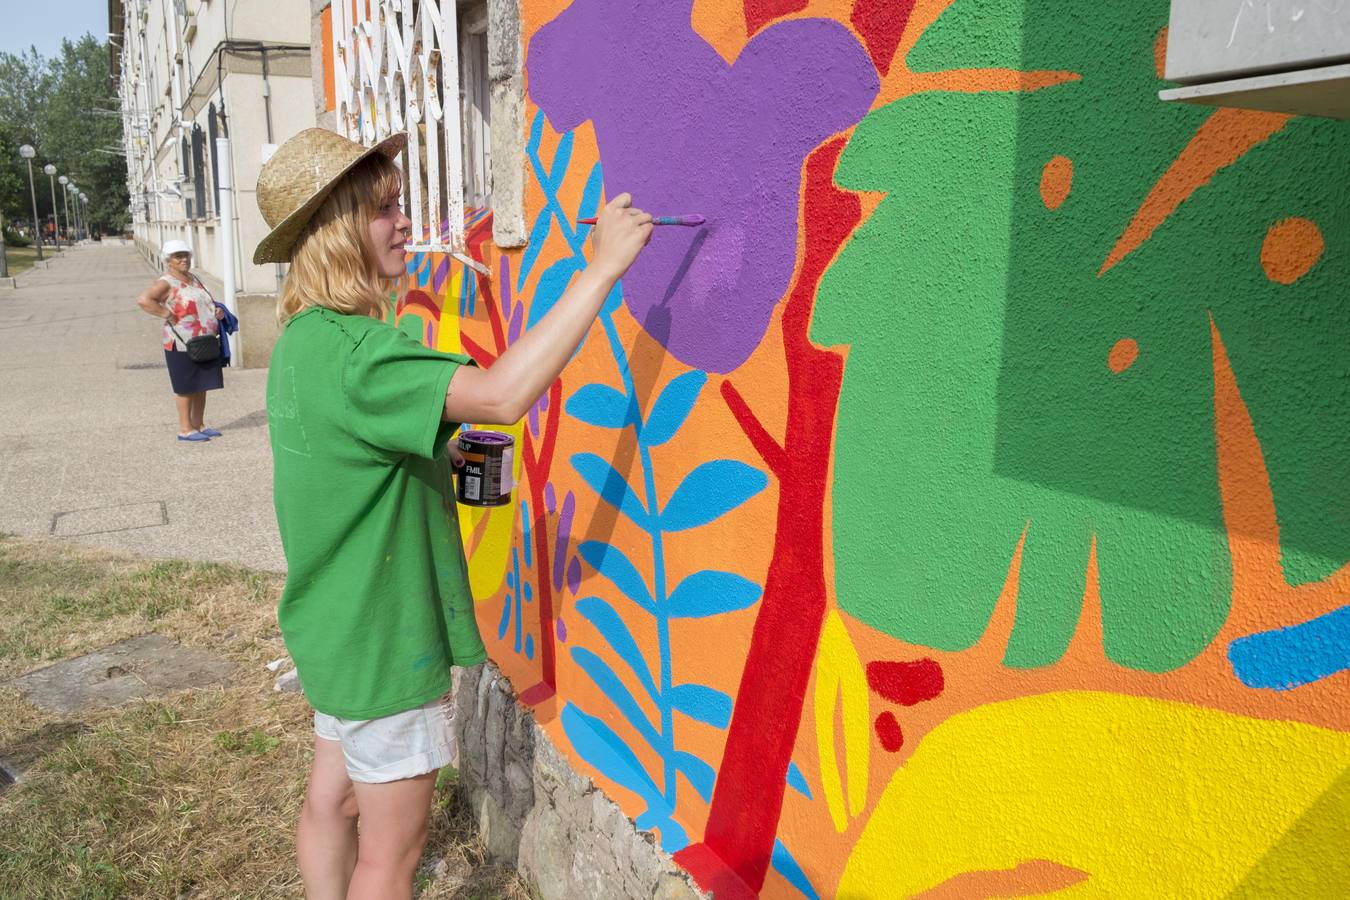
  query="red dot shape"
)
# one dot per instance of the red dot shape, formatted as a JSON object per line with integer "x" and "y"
{"x": 1122, "y": 355}
{"x": 906, "y": 683}
{"x": 888, "y": 731}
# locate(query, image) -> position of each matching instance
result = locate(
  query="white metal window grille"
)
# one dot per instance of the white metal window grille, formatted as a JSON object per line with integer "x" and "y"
{"x": 396, "y": 68}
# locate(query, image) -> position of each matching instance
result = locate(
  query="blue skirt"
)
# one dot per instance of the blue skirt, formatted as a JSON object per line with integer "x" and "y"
{"x": 188, "y": 377}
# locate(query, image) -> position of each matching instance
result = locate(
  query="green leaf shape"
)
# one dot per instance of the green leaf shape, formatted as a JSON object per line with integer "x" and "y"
{"x": 979, "y": 315}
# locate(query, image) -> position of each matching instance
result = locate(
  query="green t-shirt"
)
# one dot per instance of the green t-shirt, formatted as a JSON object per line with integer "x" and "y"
{"x": 376, "y": 605}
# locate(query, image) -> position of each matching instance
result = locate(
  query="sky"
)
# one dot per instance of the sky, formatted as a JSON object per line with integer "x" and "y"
{"x": 43, "y": 24}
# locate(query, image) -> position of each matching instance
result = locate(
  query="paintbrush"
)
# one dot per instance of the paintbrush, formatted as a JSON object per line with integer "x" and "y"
{"x": 687, "y": 221}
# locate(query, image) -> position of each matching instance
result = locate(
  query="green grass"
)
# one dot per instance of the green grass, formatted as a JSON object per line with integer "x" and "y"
{"x": 195, "y": 794}
{"x": 21, "y": 258}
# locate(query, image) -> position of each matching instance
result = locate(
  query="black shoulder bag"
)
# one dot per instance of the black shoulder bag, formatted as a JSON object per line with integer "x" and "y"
{"x": 202, "y": 349}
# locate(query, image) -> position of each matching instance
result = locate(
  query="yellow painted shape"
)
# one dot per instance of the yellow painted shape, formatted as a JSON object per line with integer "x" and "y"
{"x": 839, "y": 673}
{"x": 447, "y": 337}
{"x": 489, "y": 559}
{"x": 1151, "y": 798}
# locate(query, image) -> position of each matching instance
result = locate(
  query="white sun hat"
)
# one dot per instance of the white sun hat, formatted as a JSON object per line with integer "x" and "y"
{"x": 172, "y": 247}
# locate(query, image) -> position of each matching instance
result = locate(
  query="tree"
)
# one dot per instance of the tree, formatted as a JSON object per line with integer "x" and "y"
{"x": 80, "y": 127}
{"x": 23, "y": 87}
{"x": 65, "y": 107}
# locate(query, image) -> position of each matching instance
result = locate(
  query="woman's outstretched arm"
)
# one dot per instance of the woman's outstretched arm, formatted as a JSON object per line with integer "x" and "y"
{"x": 504, "y": 392}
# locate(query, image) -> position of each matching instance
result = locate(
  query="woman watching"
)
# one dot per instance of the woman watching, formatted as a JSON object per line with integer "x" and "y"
{"x": 183, "y": 302}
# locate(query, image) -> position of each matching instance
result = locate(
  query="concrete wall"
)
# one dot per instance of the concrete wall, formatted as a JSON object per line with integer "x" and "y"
{"x": 535, "y": 812}
{"x": 964, "y": 509}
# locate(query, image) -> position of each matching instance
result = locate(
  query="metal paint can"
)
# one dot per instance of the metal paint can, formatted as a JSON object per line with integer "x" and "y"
{"x": 485, "y": 477}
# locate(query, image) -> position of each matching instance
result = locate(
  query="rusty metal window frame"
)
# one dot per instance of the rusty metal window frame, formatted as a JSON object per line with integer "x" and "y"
{"x": 396, "y": 68}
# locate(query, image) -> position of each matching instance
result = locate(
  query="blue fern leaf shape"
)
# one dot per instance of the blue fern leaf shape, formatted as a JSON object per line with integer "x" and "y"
{"x": 788, "y": 868}
{"x": 615, "y": 632}
{"x": 562, "y": 158}
{"x": 711, "y": 593}
{"x": 551, "y": 286}
{"x": 506, "y": 616}
{"x": 529, "y": 544}
{"x": 699, "y": 773}
{"x": 797, "y": 781}
{"x": 610, "y": 562}
{"x": 590, "y": 194}
{"x": 538, "y": 235}
{"x": 701, "y": 703}
{"x": 672, "y": 407}
{"x": 613, "y": 687}
{"x": 600, "y": 405}
{"x": 673, "y": 837}
{"x": 709, "y": 492}
{"x": 613, "y": 300}
{"x": 605, "y": 480}
{"x": 599, "y": 746}
{"x": 536, "y": 135}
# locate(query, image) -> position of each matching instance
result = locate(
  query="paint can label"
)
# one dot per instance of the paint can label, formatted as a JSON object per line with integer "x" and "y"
{"x": 485, "y": 478}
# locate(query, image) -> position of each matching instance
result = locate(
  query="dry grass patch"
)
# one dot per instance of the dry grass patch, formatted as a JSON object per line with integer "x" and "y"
{"x": 192, "y": 795}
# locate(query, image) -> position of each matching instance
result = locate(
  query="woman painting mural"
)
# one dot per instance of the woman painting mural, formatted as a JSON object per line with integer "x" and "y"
{"x": 183, "y": 302}
{"x": 376, "y": 607}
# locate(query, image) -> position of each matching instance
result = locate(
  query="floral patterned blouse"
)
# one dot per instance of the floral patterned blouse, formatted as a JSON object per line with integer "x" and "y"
{"x": 195, "y": 309}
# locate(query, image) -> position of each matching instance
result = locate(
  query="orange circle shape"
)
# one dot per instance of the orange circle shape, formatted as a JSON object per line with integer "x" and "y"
{"x": 1056, "y": 180}
{"x": 1290, "y": 249}
{"x": 1122, "y": 355}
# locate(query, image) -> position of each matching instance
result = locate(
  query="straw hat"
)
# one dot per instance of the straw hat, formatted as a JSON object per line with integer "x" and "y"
{"x": 295, "y": 181}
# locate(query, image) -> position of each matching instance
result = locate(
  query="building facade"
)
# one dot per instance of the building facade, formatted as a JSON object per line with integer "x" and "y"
{"x": 964, "y": 511}
{"x": 193, "y": 71}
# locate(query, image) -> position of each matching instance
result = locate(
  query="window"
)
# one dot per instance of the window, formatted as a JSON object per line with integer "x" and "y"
{"x": 202, "y": 205}
{"x": 211, "y": 135}
{"x": 423, "y": 66}
{"x": 186, "y": 162}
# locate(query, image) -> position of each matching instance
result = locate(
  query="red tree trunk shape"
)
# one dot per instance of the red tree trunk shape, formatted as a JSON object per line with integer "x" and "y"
{"x": 738, "y": 842}
{"x": 537, "y": 462}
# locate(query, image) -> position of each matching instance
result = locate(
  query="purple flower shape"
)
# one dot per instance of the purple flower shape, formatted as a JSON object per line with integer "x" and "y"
{"x": 686, "y": 133}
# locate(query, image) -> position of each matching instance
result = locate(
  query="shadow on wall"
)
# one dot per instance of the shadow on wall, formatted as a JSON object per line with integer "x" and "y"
{"x": 1045, "y": 340}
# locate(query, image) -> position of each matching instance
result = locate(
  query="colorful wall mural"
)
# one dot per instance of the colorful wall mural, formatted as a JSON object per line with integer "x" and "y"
{"x": 965, "y": 510}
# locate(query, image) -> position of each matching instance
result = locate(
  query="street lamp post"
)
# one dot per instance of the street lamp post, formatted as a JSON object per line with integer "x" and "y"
{"x": 72, "y": 199}
{"x": 84, "y": 215}
{"x": 65, "y": 201}
{"x": 50, "y": 171}
{"x": 27, "y": 152}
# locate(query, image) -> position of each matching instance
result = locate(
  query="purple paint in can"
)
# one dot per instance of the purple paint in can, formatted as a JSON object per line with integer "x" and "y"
{"x": 485, "y": 477}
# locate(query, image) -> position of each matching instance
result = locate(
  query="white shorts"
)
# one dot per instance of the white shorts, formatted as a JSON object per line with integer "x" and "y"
{"x": 395, "y": 747}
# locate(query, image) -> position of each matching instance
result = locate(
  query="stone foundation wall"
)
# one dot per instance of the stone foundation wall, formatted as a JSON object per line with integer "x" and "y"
{"x": 564, "y": 836}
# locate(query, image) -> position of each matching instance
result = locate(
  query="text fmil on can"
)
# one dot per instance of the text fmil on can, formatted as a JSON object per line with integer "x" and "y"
{"x": 485, "y": 477}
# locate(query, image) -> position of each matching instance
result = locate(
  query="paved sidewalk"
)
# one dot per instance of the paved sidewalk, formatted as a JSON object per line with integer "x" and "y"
{"x": 87, "y": 425}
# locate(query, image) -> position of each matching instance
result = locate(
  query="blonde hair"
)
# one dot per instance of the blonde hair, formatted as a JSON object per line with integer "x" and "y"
{"x": 333, "y": 264}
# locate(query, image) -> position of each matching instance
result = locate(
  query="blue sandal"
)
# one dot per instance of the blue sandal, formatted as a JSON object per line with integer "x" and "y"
{"x": 196, "y": 436}
{"x": 209, "y": 432}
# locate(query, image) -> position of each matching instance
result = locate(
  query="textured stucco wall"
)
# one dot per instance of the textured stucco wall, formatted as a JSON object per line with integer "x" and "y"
{"x": 975, "y": 483}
